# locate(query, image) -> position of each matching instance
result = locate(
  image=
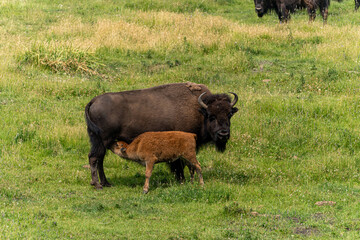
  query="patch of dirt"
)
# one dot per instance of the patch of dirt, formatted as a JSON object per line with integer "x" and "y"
{"x": 306, "y": 231}
{"x": 256, "y": 214}
{"x": 295, "y": 219}
{"x": 325, "y": 203}
{"x": 319, "y": 216}
{"x": 86, "y": 166}
{"x": 157, "y": 68}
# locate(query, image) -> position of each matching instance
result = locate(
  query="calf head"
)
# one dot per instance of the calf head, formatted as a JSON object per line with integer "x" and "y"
{"x": 217, "y": 110}
{"x": 119, "y": 148}
{"x": 260, "y": 7}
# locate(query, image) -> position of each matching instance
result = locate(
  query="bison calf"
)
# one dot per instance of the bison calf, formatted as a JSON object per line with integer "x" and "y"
{"x": 154, "y": 147}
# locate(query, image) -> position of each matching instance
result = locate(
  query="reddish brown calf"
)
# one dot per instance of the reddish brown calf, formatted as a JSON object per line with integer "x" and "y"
{"x": 154, "y": 147}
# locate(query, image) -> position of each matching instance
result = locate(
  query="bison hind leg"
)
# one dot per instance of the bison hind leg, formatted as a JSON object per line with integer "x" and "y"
{"x": 96, "y": 161}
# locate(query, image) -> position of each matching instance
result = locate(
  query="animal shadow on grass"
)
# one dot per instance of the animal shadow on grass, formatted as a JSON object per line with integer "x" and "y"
{"x": 164, "y": 178}
{"x": 160, "y": 178}
{"x": 225, "y": 174}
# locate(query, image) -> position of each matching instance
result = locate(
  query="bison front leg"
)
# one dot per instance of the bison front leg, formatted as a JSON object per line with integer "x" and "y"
{"x": 149, "y": 168}
{"x": 177, "y": 167}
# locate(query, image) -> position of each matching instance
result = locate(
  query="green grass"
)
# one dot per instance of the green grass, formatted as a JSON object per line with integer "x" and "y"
{"x": 295, "y": 140}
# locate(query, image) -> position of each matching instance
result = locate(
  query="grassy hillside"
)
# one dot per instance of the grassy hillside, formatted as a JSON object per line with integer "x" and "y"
{"x": 291, "y": 169}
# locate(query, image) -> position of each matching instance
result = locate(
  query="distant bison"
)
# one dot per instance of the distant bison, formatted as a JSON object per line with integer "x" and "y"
{"x": 186, "y": 107}
{"x": 153, "y": 147}
{"x": 283, "y": 8}
{"x": 357, "y": 4}
{"x": 322, "y": 5}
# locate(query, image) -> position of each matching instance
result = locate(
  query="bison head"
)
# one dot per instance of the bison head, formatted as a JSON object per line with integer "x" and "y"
{"x": 260, "y": 7}
{"x": 217, "y": 110}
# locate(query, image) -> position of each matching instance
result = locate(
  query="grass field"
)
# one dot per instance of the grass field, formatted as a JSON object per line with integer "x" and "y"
{"x": 291, "y": 169}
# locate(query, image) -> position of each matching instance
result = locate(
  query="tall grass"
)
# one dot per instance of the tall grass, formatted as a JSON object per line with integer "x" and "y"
{"x": 61, "y": 58}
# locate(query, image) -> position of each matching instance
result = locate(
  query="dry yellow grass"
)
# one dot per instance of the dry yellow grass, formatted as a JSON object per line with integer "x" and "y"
{"x": 10, "y": 45}
{"x": 17, "y": 2}
{"x": 145, "y": 31}
{"x": 166, "y": 31}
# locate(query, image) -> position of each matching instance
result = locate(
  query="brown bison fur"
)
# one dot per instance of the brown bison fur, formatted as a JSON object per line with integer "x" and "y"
{"x": 153, "y": 147}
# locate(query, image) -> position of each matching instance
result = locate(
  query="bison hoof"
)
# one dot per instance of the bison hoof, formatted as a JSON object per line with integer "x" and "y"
{"x": 106, "y": 184}
{"x": 96, "y": 185}
{"x": 145, "y": 191}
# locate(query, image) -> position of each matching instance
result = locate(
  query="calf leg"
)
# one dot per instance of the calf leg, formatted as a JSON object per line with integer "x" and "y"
{"x": 198, "y": 171}
{"x": 191, "y": 158}
{"x": 192, "y": 171}
{"x": 149, "y": 168}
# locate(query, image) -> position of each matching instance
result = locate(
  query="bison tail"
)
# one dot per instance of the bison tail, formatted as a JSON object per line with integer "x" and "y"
{"x": 90, "y": 124}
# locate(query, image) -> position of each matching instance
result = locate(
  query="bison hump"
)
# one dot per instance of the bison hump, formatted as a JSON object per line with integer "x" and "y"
{"x": 193, "y": 86}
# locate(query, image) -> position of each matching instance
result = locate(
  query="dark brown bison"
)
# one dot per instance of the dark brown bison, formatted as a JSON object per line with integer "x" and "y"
{"x": 322, "y": 5}
{"x": 186, "y": 107}
{"x": 150, "y": 148}
{"x": 283, "y": 8}
{"x": 357, "y": 4}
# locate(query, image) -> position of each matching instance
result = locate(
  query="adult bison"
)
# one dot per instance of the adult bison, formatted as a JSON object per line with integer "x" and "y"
{"x": 357, "y": 4}
{"x": 283, "y": 8}
{"x": 187, "y": 107}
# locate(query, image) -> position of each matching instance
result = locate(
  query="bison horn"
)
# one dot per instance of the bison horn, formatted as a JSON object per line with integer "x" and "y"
{"x": 201, "y": 101}
{"x": 235, "y": 99}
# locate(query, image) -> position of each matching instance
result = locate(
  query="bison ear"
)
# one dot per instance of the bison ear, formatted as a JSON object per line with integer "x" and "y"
{"x": 233, "y": 111}
{"x": 203, "y": 111}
